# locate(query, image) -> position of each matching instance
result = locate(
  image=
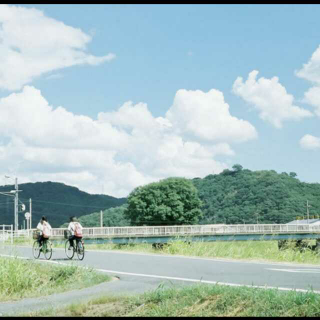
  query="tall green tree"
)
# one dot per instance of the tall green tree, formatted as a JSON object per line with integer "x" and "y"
{"x": 172, "y": 201}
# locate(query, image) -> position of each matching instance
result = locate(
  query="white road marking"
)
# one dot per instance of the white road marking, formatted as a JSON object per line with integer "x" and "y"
{"x": 175, "y": 278}
{"x": 296, "y": 270}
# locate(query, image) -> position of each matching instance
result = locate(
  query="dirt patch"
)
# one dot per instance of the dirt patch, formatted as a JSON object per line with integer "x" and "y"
{"x": 116, "y": 308}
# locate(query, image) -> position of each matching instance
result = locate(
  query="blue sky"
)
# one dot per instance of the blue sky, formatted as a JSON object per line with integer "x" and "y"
{"x": 178, "y": 65}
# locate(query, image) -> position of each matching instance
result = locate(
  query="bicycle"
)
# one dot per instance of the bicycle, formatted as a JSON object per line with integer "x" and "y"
{"x": 46, "y": 249}
{"x": 78, "y": 247}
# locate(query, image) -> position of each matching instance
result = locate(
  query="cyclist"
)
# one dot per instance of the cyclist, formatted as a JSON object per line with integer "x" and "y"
{"x": 75, "y": 229}
{"x": 44, "y": 229}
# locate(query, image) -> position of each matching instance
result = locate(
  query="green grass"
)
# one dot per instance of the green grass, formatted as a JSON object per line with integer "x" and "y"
{"x": 198, "y": 300}
{"x": 246, "y": 250}
{"x": 21, "y": 278}
{"x": 19, "y": 241}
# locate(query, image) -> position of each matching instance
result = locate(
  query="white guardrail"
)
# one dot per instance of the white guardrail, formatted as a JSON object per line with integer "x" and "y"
{"x": 111, "y": 232}
{"x": 6, "y": 233}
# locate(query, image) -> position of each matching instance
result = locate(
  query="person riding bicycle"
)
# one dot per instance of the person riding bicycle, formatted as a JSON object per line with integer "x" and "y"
{"x": 44, "y": 229}
{"x": 75, "y": 229}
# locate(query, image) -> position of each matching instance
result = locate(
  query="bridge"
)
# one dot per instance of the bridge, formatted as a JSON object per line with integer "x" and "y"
{"x": 165, "y": 234}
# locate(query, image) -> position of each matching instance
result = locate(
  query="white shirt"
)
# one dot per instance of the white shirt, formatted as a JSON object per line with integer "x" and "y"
{"x": 40, "y": 226}
{"x": 72, "y": 227}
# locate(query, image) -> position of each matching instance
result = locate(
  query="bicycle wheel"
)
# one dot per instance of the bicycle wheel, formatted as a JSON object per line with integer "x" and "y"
{"x": 69, "y": 252}
{"x": 36, "y": 250}
{"x": 80, "y": 250}
{"x": 48, "y": 250}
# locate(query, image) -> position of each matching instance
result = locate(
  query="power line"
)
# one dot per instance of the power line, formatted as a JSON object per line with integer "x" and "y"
{"x": 6, "y": 195}
{"x": 66, "y": 204}
{"x": 7, "y": 201}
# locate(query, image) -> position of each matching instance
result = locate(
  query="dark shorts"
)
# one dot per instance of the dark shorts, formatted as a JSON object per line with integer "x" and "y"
{"x": 71, "y": 238}
{"x": 41, "y": 239}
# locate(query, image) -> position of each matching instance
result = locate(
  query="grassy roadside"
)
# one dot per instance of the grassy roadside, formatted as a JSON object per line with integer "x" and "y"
{"x": 198, "y": 300}
{"x": 246, "y": 250}
{"x": 26, "y": 279}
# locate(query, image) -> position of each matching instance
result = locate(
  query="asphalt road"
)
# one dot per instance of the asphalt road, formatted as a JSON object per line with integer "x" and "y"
{"x": 147, "y": 271}
{"x": 138, "y": 273}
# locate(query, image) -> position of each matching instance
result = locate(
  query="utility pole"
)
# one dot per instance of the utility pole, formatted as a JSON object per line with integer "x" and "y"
{"x": 101, "y": 219}
{"x": 15, "y": 194}
{"x": 30, "y": 210}
{"x": 16, "y": 202}
{"x": 308, "y": 206}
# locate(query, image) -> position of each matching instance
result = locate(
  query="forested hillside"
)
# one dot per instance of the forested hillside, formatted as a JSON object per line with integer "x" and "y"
{"x": 55, "y": 200}
{"x": 244, "y": 196}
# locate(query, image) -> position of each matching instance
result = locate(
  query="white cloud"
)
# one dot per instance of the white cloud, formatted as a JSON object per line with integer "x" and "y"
{"x": 310, "y": 142}
{"x": 28, "y": 115}
{"x": 270, "y": 98}
{"x": 312, "y": 97}
{"x": 206, "y": 116}
{"x": 55, "y": 76}
{"x": 32, "y": 44}
{"x": 86, "y": 169}
{"x": 311, "y": 70}
{"x": 121, "y": 149}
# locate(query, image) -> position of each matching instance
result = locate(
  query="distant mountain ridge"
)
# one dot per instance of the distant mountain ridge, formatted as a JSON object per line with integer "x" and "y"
{"x": 55, "y": 200}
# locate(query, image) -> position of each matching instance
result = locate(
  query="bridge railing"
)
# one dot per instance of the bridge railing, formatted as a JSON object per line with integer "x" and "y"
{"x": 194, "y": 230}
{"x": 146, "y": 231}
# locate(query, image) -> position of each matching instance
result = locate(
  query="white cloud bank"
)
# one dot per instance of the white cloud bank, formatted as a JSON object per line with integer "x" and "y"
{"x": 32, "y": 44}
{"x": 270, "y": 98}
{"x": 121, "y": 149}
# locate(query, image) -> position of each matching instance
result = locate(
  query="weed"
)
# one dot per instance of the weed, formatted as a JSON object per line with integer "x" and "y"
{"x": 22, "y": 278}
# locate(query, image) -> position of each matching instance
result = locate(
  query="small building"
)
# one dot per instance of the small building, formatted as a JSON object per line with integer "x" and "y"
{"x": 314, "y": 222}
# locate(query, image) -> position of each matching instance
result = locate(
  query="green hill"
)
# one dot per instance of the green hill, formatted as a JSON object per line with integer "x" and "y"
{"x": 55, "y": 200}
{"x": 243, "y": 196}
